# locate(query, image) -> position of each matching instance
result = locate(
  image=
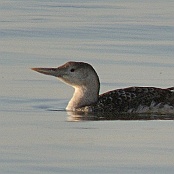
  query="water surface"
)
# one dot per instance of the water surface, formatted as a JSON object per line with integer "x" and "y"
{"x": 128, "y": 43}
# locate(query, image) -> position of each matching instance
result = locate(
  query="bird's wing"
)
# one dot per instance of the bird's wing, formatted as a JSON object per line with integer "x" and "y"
{"x": 122, "y": 100}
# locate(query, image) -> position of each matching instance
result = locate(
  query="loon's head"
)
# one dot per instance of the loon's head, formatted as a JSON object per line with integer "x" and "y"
{"x": 75, "y": 74}
{"x": 82, "y": 77}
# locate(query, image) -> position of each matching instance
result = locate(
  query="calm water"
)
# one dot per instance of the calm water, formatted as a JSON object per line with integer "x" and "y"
{"x": 128, "y": 43}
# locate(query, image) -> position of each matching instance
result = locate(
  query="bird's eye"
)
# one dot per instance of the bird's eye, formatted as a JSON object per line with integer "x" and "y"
{"x": 72, "y": 70}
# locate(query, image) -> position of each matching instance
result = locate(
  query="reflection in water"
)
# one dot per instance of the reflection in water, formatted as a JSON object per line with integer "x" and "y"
{"x": 82, "y": 116}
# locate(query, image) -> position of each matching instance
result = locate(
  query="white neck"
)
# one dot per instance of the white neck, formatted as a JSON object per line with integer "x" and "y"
{"x": 83, "y": 96}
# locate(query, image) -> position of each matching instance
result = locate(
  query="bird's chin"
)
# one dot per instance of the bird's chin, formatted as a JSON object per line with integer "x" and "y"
{"x": 63, "y": 78}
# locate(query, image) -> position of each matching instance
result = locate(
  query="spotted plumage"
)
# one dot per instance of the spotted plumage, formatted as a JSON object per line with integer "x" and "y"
{"x": 133, "y": 100}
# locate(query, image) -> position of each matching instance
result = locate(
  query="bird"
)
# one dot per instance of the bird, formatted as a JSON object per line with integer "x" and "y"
{"x": 86, "y": 98}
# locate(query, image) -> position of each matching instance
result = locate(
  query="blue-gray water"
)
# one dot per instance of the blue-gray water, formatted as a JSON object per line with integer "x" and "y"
{"x": 128, "y": 43}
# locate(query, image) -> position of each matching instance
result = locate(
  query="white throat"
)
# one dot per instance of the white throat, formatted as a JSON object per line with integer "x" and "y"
{"x": 82, "y": 96}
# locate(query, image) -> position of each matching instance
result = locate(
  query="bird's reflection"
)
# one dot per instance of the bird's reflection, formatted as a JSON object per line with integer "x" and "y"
{"x": 82, "y": 116}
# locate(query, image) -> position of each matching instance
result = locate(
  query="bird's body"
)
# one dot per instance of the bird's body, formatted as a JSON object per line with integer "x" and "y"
{"x": 134, "y": 100}
{"x": 86, "y": 98}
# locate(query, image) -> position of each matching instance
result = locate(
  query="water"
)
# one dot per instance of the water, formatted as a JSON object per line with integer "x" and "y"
{"x": 128, "y": 43}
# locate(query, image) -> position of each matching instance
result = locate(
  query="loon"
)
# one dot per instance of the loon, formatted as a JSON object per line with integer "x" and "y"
{"x": 86, "y": 98}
